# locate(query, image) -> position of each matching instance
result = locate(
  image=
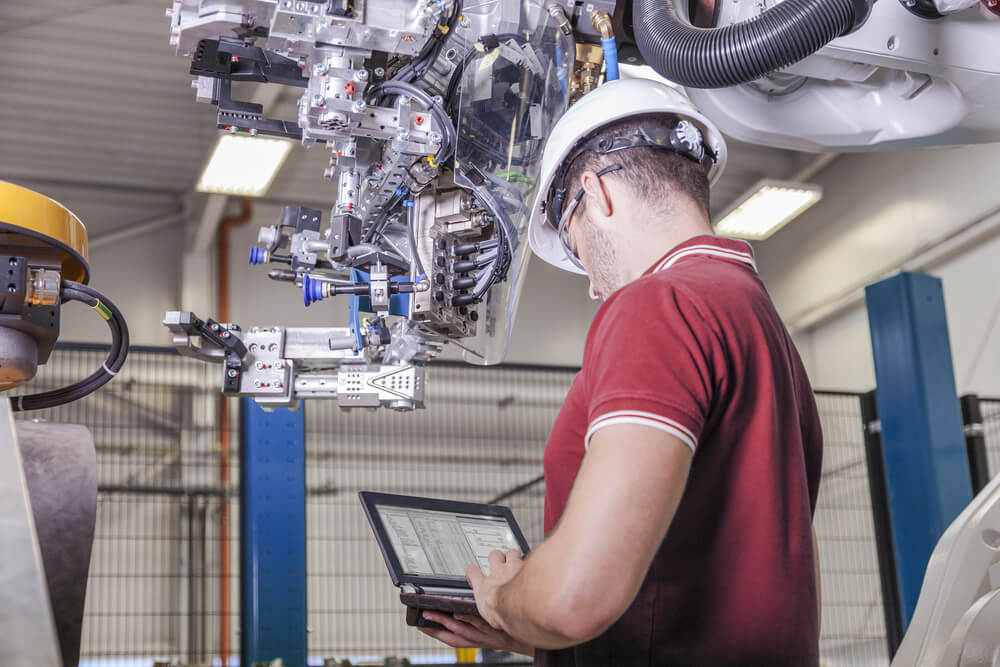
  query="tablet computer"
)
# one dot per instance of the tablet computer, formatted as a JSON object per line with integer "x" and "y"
{"x": 427, "y": 544}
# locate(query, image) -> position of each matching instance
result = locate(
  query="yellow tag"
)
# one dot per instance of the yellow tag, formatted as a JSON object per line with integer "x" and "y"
{"x": 430, "y": 161}
{"x": 466, "y": 655}
{"x": 443, "y": 28}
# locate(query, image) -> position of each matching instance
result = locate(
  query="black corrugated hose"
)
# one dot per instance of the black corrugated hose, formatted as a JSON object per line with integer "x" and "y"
{"x": 742, "y": 52}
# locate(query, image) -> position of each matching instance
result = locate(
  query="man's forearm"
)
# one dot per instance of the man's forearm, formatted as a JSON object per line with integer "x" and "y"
{"x": 524, "y": 607}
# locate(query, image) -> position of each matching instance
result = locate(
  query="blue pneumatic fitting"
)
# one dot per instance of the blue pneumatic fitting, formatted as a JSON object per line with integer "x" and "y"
{"x": 610, "y": 59}
{"x": 407, "y": 203}
{"x": 401, "y": 191}
{"x": 312, "y": 290}
{"x": 258, "y": 255}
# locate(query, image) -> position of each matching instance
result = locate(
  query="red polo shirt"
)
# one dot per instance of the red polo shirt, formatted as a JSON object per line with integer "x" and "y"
{"x": 695, "y": 348}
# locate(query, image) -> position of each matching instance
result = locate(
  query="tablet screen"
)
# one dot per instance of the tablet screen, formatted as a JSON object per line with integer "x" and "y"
{"x": 443, "y": 544}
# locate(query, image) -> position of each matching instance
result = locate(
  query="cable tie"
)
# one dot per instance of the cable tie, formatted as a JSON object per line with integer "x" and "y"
{"x": 108, "y": 370}
{"x": 20, "y": 403}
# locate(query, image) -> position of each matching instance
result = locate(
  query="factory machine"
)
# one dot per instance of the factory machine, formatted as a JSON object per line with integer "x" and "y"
{"x": 48, "y": 471}
{"x": 435, "y": 113}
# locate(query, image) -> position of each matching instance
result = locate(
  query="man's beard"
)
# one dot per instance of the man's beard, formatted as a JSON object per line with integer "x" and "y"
{"x": 604, "y": 273}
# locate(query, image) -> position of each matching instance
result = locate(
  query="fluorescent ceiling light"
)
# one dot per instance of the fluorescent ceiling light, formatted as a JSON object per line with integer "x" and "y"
{"x": 242, "y": 165}
{"x": 766, "y": 208}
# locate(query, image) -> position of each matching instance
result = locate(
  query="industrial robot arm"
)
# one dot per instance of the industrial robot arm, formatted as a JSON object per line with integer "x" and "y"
{"x": 435, "y": 113}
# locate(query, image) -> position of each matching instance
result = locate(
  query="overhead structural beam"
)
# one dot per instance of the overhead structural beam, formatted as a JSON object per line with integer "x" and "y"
{"x": 925, "y": 258}
{"x": 810, "y": 170}
{"x": 90, "y": 186}
{"x": 132, "y": 230}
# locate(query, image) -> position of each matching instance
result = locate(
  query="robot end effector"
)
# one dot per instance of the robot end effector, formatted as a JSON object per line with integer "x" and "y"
{"x": 279, "y": 366}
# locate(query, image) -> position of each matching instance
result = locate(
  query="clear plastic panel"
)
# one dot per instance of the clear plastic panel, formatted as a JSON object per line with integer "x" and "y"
{"x": 510, "y": 98}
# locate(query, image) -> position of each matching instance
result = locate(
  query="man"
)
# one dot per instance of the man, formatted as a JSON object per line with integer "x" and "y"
{"x": 690, "y": 438}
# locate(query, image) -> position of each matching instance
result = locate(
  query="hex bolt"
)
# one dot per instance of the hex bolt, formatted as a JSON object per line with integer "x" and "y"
{"x": 379, "y": 72}
{"x": 257, "y": 383}
{"x": 361, "y": 75}
{"x": 360, "y": 106}
{"x": 232, "y": 372}
{"x": 260, "y": 365}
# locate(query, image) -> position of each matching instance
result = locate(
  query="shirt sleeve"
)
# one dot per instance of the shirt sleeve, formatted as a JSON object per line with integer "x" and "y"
{"x": 649, "y": 362}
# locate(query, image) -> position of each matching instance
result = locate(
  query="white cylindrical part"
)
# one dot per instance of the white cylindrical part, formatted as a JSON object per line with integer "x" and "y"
{"x": 952, "y": 6}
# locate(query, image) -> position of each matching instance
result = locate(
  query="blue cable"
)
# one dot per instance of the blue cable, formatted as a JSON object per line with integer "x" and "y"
{"x": 353, "y": 309}
{"x": 610, "y": 59}
{"x": 560, "y": 68}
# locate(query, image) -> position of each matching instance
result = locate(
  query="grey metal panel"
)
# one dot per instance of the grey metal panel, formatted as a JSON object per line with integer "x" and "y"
{"x": 60, "y": 466}
{"x": 29, "y": 634}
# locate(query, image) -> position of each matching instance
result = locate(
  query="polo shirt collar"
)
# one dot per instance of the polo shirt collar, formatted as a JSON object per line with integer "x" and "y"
{"x": 706, "y": 246}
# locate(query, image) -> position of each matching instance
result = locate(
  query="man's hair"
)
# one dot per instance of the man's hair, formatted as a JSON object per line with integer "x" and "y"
{"x": 653, "y": 174}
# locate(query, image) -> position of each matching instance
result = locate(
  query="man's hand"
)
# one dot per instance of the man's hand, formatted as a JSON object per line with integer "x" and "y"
{"x": 503, "y": 568}
{"x": 462, "y": 631}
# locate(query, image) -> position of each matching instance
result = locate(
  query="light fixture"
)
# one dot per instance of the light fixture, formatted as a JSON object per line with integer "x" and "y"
{"x": 766, "y": 208}
{"x": 243, "y": 165}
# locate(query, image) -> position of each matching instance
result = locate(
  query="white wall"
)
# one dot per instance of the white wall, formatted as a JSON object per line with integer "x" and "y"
{"x": 932, "y": 210}
{"x": 140, "y": 276}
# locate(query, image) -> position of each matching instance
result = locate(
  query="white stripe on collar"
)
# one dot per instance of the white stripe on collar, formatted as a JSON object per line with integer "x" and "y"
{"x": 709, "y": 250}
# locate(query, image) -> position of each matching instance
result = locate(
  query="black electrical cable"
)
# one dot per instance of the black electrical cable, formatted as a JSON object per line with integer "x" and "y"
{"x": 376, "y": 227}
{"x": 419, "y": 66}
{"x": 742, "y": 52}
{"x": 72, "y": 291}
{"x": 411, "y": 222}
{"x": 505, "y": 241}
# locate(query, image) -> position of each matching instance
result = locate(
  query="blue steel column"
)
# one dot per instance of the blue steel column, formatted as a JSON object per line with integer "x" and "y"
{"x": 926, "y": 465}
{"x": 272, "y": 535}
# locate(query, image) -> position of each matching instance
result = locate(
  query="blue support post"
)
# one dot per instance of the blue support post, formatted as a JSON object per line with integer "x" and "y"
{"x": 926, "y": 466}
{"x": 272, "y": 535}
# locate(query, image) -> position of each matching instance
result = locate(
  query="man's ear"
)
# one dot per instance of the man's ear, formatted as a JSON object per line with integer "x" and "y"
{"x": 597, "y": 193}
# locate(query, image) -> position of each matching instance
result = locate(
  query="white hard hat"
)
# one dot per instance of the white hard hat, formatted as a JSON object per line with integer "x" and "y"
{"x": 615, "y": 100}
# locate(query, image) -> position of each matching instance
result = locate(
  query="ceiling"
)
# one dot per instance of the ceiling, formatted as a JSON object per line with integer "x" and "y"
{"x": 97, "y": 111}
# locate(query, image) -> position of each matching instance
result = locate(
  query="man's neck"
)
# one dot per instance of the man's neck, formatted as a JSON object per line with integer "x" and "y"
{"x": 641, "y": 251}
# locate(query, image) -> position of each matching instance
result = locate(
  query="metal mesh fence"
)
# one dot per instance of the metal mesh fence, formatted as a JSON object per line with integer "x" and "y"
{"x": 480, "y": 437}
{"x": 158, "y": 587}
{"x": 853, "y": 623}
{"x": 990, "y": 408}
{"x": 157, "y": 580}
